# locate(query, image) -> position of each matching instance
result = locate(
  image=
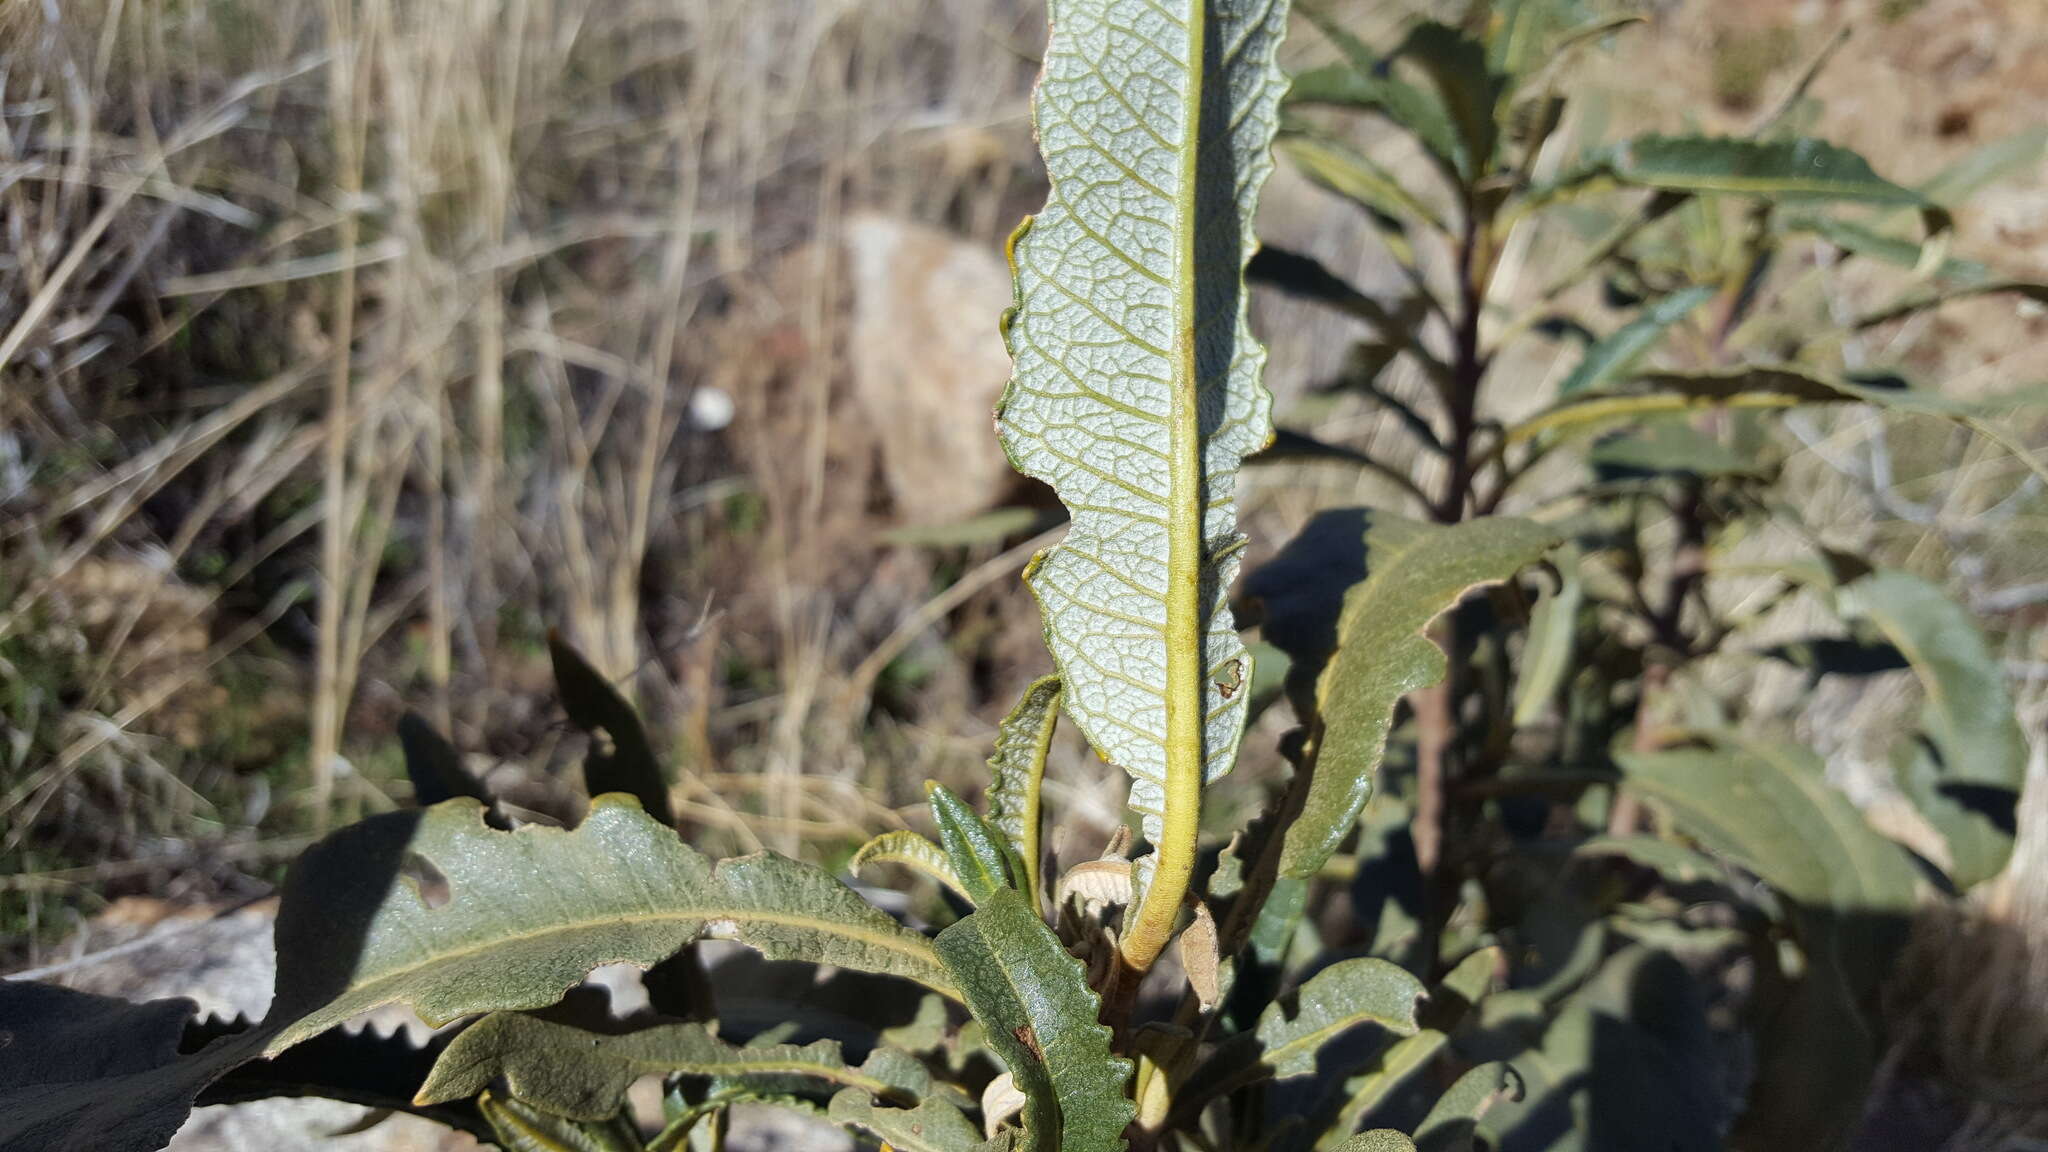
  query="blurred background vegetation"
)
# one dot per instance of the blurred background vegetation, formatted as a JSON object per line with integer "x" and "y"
{"x": 349, "y": 346}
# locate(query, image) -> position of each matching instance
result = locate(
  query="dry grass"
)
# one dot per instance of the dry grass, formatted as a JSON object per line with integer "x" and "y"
{"x": 358, "y": 339}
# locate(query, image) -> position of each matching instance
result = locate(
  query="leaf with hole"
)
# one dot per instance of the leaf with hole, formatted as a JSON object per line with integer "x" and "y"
{"x": 529, "y": 913}
{"x": 933, "y": 1126}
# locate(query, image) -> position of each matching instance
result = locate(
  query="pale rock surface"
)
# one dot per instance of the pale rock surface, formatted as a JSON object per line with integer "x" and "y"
{"x": 928, "y": 363}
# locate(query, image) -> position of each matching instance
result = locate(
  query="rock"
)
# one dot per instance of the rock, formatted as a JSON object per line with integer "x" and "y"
{"x": 928, "y": 363}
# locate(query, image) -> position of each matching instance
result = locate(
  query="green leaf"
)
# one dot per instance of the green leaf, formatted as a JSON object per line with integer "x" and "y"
{"x": 1377, "y": 1140}
{"x": 584, "y": 1075}
{"x": 933, "y": 1126}
{"x": 91, "y": 1072}
{"x": 620, "y": 758}
{"x": 977, "y": 852}
{"x": 1292, "y": 1030}
{"x": 1755, "y": 387}
{"x": 381, "y": 1071}
{"x": 1448, "y": 1004}
{"x": 1335, "y": 1000}
{"x": 1970, "y": 714}
{"x": 1628, "y": 1053}
{"x": 1405, "y": 574}
{"x": 1976, "y": 824}
{"x": 1034, "y": 1000}
{"x": 1365, "y": 82}
{"x": 1136, "y": 390}
{"x": 528, "y": 913}
{"x": 1796, "y": 169}
{"x": 1862, "y": 240}
{"x": 1968, "y": 791}
{"x": 2015, "y": 155}
{"x": 1667, "y": 447}
{"x": 992, "y": 527}
{"x": 1552, "y": 636}
{"x": 1609, "y": 360}
{"x": 1306, "y": 278}
{"x": 1667, "y": 858}
{"x": 1470, "y": 90}
{"x": 1017, "y": 773}
{"x": 1354, "y": 176}
{"x": 1767, "y": 806}
{"x": 1407, "y": 107}
{"x": 521, "y": 1127}
{"x": 911, "y": 851}
{"x": 1454, "y": 1120}
{"x": 2026, "y": 289}
{"x": 1519, "y": 33}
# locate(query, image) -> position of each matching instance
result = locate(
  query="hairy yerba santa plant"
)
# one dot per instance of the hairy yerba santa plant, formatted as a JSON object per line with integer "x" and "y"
{"x": 1599, "y": 771}
{"x": 1137, "y": 396}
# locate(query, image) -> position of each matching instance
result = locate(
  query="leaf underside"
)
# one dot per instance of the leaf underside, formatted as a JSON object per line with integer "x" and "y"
{"x": 1017, "y": 771}
{"x": 1130, "y": 296}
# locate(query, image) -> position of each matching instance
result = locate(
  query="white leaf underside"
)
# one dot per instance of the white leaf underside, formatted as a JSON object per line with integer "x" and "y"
{"x": 1097, "y": 339}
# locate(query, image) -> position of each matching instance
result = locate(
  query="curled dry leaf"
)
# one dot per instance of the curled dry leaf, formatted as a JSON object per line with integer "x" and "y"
{"x": 1097, "y": 883}
{"x": 1200, "y": 958}
{"x": 999, "y": 1101}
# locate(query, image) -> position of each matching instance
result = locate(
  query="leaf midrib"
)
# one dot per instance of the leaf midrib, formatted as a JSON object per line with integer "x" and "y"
{"x": 921, "y": 951}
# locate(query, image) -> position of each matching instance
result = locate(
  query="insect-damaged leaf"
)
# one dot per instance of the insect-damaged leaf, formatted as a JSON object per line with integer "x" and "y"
{"x": 933, "y": 1126}
{"x": 1034, "y": 1000}
{"x": 1767, "y": 805}
{"x": 1136, "y": 389}
{"x": 524, "y": 915}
